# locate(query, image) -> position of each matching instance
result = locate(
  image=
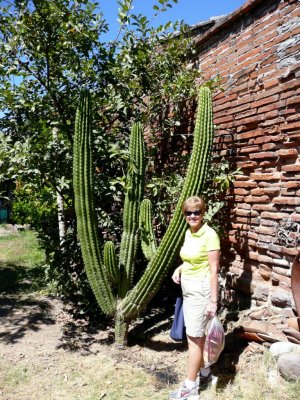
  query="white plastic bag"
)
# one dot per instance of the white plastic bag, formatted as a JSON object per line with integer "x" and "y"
{"x": 214, "y": 341}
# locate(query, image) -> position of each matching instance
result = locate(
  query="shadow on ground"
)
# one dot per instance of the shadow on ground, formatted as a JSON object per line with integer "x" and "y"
{"x": 17, "y": 279}
{"x": 19, "y": 311}
{"x": 19, "y": 315}
{"x": 226, "y": 366}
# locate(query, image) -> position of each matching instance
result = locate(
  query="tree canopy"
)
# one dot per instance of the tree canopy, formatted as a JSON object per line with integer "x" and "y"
{"x": 49, "y": 51}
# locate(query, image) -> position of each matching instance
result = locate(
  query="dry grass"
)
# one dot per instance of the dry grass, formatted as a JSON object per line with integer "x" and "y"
{"x": 257, "y": 378}
{"x": 71, "y": 376}
{"x": 74, "y": 377}
{"x": 38, "y": 360}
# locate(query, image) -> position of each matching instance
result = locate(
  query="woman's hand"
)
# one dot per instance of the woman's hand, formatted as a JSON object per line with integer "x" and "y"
{"x": 211, "y": 309}
{"x": 176, "y": 275}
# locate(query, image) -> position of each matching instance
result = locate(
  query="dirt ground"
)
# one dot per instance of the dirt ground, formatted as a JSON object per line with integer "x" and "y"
{"x": 45, "y": 353}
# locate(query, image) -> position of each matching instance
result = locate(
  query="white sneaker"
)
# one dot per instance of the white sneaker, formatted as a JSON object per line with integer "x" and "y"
{"x": 184, "y": 393}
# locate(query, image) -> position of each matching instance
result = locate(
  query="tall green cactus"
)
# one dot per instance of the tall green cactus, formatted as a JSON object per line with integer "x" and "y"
{"x": 128, "y": 301}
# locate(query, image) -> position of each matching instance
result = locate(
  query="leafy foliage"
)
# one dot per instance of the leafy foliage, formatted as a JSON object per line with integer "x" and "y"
{"x": 48, "y": 50}
{"x": 221, "y": 175}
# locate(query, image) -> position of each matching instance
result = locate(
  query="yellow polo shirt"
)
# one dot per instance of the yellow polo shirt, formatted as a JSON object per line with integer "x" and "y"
{"x": 194, "y": 251}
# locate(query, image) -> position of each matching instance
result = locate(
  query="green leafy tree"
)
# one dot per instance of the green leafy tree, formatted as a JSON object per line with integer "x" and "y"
{"x": 49, "y": 49}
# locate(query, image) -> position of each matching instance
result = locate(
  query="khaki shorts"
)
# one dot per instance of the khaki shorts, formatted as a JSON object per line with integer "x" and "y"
{"x": 196, "y": 295}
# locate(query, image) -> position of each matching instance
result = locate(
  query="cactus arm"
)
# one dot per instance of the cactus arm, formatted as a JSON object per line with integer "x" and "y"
{"x": 148, "y": 241}
{"x": 85, "y": 209}
{"x": 110, "y": 262}
{"x": 156, "y": 270}
{"x": 133, "y": 198}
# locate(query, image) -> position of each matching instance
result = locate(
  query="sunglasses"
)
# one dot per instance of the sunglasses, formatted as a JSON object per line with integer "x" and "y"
{"x": 189, "y": 213}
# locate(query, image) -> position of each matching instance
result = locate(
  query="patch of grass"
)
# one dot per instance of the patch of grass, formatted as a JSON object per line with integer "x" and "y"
{"x": 71, "y": 376}
{"x": 79, "y": 378}
{"x": 21, "y": 263}
{"x": 257, "y": 379}
{"x": 21, "y": 249}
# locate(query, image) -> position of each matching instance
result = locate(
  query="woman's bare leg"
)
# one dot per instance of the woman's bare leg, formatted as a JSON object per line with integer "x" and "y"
{"x": 195, "y": 356}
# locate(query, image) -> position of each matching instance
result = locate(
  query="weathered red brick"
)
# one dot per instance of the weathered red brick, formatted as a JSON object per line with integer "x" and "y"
{"x": 290, "y": 185}
{"x": 281, "y": 279}
{"x": 289, "y": 143}
{"x": 293, "y": 201}
{"x": 265, "y": 272}
{"x": 267, "y": 139}
{"x": 282, "y": 271}
{"x": 272, "y": 122}
{"x": 294, "y": 135}
{"x": 287, "y": 153}
{"x": 265, "y": 238}
{"x": 251, "y": 134}
{"x": 267, "y": 191}
{"x": 293, "y": 117}
{"x": 265, "y": 176}
{"x": 252, "y": 235}
{"x": 244, "y": 184}
{"x": 224, "y": 119}
{"x": 270, "y": 92}
{"x": 293, "y": 100}
{"x": 272, "y": 114}
{"x": 241, "y": 191}
{"x": 248, "y": 55}
{"x": 246, "y": 164}
{"x": 268, "y": 164}
{"x": 293, "y": 84}
{"x": 270, "y": 146}
{"x": 243, "y": 206}
{"x": 242, "y": 220}
{"x": 244, "y": 115}
{"x": 257, "y": 199}
{"x": 264, "y": 207}
{"x": 290, "y": 127}
{"x": 265, "y": 259}
{"x": 264, "y": 101}
{"x": 274, "y": 215}
{"x": 291, "y": 168}
{"x": 264, "y": 230}
{"x": 291, "y": 94}
{"x": 263, "y": 154}
{"x": 253, "y": 256}
{"x": 247, "y": 213}
{"x": 271, "y": 83}
{"x": 290, "y": 251}
{"x": 243, "y": 227}
{"x": 249, "y": 149}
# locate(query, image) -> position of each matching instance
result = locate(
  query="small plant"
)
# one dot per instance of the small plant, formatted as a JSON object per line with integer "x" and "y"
{"x": 220, "y": 178}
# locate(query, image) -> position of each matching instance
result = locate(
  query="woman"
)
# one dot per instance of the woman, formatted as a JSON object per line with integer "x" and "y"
{"x": 198, "y": 276}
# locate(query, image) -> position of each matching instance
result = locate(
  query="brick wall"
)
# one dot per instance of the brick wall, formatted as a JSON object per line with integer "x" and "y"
{"x": 256, "y": 51}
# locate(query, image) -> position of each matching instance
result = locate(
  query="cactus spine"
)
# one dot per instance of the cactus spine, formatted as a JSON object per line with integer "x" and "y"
{"x": 85, "y": 208}
{"x": 148, "y": 240}
{"x": 128, "y": 302}
{"x": 133, "y": 198}
{"x": 156, "y": 270}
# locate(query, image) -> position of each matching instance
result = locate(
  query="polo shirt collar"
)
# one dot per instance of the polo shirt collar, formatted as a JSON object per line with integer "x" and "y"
{"x": 200, "y": 231}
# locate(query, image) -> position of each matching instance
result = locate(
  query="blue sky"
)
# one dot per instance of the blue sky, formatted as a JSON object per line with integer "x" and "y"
{"x": 191, "y": 11}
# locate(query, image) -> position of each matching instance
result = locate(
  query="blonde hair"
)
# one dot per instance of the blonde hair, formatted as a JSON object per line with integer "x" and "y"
{"x": 194, "y": 201}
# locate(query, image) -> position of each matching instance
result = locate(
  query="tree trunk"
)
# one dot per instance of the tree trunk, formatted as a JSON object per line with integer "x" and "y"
{"x": 61, "y": 220}
{"x": 60, "y": 205}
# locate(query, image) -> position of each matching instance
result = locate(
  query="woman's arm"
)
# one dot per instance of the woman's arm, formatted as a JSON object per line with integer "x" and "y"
{"x": 176, "y": 275}
{"x": 214, "y": 261}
